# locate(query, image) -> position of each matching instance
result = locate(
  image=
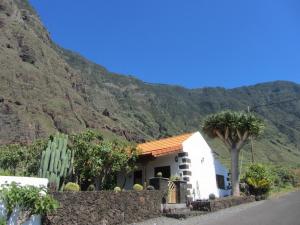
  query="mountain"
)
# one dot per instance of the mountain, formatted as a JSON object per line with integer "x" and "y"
{"x": 45, "y": 88}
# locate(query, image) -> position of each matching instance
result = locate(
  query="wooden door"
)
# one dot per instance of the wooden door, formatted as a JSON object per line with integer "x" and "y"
{"x": 172, "y": 193}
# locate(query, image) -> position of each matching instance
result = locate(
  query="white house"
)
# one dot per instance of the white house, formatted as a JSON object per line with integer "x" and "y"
{"x": 187, "y": 156}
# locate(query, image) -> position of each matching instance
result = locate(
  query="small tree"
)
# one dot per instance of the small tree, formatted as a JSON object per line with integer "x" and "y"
{"x": 33, "y": 157}
{"x": 99, "y": 160}
{"x": 233, "y": 129}
{"x": 258, "y": 179}
{"x": 23, "y": 160}
{"x": 11, "y": 157}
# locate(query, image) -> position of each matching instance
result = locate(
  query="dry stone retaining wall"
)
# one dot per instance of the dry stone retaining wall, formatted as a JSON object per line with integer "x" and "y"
{"x": 221, "y": 203}
{"x": 105, "y": 207}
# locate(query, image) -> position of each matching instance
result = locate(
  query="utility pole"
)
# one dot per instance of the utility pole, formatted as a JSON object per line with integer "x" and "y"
{"x": 251, "y": 141}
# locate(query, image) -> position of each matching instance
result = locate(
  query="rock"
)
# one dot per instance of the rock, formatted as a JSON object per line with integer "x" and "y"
{"x": 106, "y": 113}
{"x": 27, "y": 54}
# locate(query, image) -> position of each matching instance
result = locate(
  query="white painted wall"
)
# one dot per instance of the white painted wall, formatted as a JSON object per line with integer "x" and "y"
{"x": 23, "y": 181}
{"x": 203, "y": 177}
{"x": 203, "y": 167}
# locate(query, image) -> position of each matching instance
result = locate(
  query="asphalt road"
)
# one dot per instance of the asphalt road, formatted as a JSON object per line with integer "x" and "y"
{"x": 284, "y": 210}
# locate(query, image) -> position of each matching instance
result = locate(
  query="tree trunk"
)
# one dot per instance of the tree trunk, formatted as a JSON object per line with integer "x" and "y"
{"x": 235, "y": 180}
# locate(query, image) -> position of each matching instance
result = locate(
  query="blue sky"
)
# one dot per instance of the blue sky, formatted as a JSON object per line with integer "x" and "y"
{"x": 193, "y": 43}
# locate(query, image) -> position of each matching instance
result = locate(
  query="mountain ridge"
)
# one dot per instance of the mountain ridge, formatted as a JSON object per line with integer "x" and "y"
{"x": 46, "y": 88}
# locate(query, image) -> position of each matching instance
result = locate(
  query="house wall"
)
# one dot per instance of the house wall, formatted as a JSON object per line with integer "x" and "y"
{"x": 23, "y": 181}
{"x": 203, "y": 173}
{"x": 222, "y": 170}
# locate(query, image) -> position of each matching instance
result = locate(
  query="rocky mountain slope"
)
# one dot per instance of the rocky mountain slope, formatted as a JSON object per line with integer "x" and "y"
{"x": 45, "y": 88}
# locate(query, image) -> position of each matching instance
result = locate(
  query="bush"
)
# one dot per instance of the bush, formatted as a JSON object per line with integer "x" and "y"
{"x": 212, "y": 196}
{"x": 258, "y": 179}
{"x": 71, "y": 187}
{"x": 28, "y": 199}
{"x": 11, "y": 156}
{"x": 138, "y": 187}
{"x": 117, "y": 189}
{"x": 2, "y": 221}
{"x": 282, "y": 177}
{"x": 296, "y": 172}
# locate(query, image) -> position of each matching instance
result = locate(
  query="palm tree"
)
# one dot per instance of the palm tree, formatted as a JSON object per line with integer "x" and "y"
{"x": 233, "y": 129}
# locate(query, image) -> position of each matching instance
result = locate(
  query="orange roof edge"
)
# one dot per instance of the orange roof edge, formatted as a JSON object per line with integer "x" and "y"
{"x": 164, "y": 146}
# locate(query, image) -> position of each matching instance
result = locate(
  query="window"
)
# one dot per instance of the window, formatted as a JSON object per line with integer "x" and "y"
{"x": 165, "y": 170}
{"x": 220, "y": 181}
{"x": 138, "y": 177}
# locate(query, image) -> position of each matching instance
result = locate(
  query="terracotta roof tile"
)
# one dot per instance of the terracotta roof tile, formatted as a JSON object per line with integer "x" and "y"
{"x": 163, "y": 146}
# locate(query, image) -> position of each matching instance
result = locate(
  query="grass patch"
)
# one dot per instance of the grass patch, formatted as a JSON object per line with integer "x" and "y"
{"x": 279, "y": 191}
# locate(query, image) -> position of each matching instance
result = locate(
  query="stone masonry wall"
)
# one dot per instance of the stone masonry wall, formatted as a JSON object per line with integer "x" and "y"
{"x": 105, "y": 207}
{"x": 221, "y": 203}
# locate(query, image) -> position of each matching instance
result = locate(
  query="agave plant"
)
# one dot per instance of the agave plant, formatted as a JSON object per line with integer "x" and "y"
{"x": 258, "y": 179}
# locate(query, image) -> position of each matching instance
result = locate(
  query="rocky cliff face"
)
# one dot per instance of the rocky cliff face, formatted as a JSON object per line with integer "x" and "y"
{"x": 45, "y": 88}
{"x": 40, "y": 92}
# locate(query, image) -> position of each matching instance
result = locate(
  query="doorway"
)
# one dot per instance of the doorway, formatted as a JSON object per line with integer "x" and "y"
{"x": 138, "y": 177}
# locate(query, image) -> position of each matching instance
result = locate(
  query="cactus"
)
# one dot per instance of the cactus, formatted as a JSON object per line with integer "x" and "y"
{"x": 71, "y": 187}
{"x": 57, "y": 160}
{"x": 138, "y": 187}
{"x": 117, "y": 189}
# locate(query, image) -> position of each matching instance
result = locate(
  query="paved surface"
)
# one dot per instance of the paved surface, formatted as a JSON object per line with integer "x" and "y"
{"x": 284, "y": 210}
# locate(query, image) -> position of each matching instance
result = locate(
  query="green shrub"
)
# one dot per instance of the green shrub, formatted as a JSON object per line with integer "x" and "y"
{"x": 117, "y": 189}
{"x": 282, "y": 177}
{"x": 71, "y": 187}
{"x": 28, "y": 198}
{"x": 138, "y": 187}
{"x": 296, "y": 172}
{"x": 5, "y": 173}
{"x": 91, "y": 187}
{"x": 258, "y": 179}
{"x": 159, "y": 174}
{"x": 2, "y": 221}
{"x": 11, "y": 156}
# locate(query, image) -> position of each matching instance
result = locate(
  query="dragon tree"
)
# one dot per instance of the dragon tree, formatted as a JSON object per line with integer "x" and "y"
{"x": 233, "y": 129}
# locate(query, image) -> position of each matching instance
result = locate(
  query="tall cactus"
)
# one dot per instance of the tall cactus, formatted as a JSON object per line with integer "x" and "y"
{"x": 57, "y": 160}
